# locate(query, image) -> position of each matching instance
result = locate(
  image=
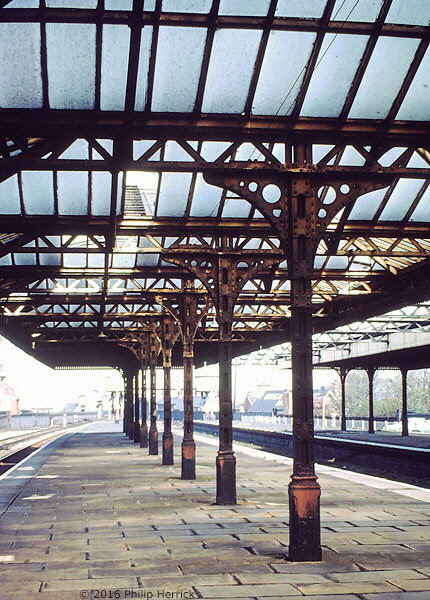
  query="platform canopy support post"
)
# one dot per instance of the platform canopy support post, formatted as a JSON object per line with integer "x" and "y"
{"x": 136, "y": 425}
{"x": 371, "y": 380}
{"x": 144, "y": 406}
{"x": 225, "y": 460}
{"x": 188, "y": 446}
{"x": 124, "y": 407}
{"x": 129, "y": 398}
{"x": 153, "y": 356}
{"x": 342, "y": 376}
{"x": 405, "y": 420}
{"x": 167, "y": 334}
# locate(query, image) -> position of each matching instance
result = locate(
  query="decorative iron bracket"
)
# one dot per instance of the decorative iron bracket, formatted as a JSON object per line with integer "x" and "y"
{"x": 223, "y": 272}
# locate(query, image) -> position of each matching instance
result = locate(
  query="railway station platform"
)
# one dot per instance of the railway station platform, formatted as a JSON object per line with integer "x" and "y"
{"x": 93, "y": 516}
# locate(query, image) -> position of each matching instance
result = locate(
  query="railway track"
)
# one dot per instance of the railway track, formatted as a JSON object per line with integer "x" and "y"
{"x": 405, "y": 464}
{"x": 16, "y": 448}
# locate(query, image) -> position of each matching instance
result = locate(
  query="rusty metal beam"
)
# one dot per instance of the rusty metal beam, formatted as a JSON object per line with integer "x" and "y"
{"x": 211, "y": 127}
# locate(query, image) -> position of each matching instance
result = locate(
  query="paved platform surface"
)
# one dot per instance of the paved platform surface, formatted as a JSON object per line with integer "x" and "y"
{"x": 100, "y": 514}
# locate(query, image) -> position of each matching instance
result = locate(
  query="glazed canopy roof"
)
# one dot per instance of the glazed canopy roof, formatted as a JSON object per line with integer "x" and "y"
{"x": 188, "y": 86}
{"x": 364, "y": 59}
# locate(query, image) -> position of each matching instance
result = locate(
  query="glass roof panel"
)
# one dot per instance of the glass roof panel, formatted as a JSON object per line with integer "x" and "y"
{"x": 142, "y": 73}
{"x": 5, "y": 260}
{"x": 416, "y": 161}
{"x": 20, "y": 70}
{"x": 337, "y": 262}
{"x": 282, "y": 71}
{"x": 416, "y": 105}
{"x": 123, "y": 260}
{"x": 389, "y": 157}
{"x": 147, "y": 260}
{"x": 9, "y": 196}
{"x": 71, "y": 3}
{"x": 50, "y": 259}
{"x": 210, "y": 151}
{"x": 96, "y": 261}
{"x": 319, "y": 261}
{"x": 206, "y": 199}
{"x": 140, "y": 147}
{"x": 236, "y": 208}
{"x": 71, "y": 51}
{"x": 79, "y": 150}
{"x": 174, "y": 152}
{"x": 401, "y": 199}
{"x": 115, "y": 50}
{"x": 73, "y": 192}
{"x": 123, "y": 5}
{"x": 75, "y": 260}
{"x": 38, "y": 192}
{"x": 352, "y": 157}
{"x": 101, "y": 183}
{"x": 177, "y": 68}
{"x": 366, "y": 205}
{"x": 23, "y": 4}
{"x": 311, "y": 9}
{"x": 334, "y": 71}
{"x": 319, "y": 151}
{"x": 409, "y": 12}
{"x": 350, "y": 10}
{"x": 174, "y": 190}
{"x": 187, "y": 6}
{"x": 252, "y": 8}
{"x": 384, "y": 76}
{"x": 422, "y": 211}
{"x": 230, "y": 71}
{"x": 25, "y": 258}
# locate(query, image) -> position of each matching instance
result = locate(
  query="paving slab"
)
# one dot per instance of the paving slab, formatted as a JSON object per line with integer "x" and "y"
{"x": 98, "y": 513}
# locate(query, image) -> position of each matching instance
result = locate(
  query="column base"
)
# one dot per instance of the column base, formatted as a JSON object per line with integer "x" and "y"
{"x": 153, "y": 441}
{"x": 136, "y": 436}
{"x": 144, "y": 436}
{"x": 130, "y": 431}
{"x": 305, "y": 536}
{"x": 188, "y": 465}
{"x": 167, "y": 449}
{"x": 226, "y": 478}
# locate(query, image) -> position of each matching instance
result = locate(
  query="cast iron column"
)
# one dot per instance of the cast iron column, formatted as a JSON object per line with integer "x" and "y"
{"x": 129, "y": 396}
{"x": 405, "y": 423}
{"x": 136, "y": 409}
{"x": 342, "y": 374}
{"x": 225, "y": 460}
{"x": 167, "y": 432}
{"x": 153, "y": 432}
{"x": 187, "y": 314}
{"x": 124, "y": 409}
{"x": 304, "y": 490}
{"x": 188, "y": 447}
{"x": 167, "y": 334}
{"x": 144, "y": 409}
{"x": 370, "y": 375}
{"x": 131, "y": 410}
{"x": 293, "y": 198}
